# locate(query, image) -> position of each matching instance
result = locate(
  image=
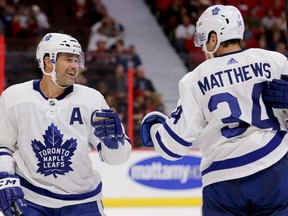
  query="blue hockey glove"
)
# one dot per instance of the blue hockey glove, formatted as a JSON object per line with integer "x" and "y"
{"x": 108, "y": 127}
{"x": 277, "y": 94}
{"x": 149, "y": 120}
{"x": 11, "y": 195}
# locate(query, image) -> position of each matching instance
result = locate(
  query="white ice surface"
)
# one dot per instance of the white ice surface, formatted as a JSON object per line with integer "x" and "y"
{"x": 152, "y": 211}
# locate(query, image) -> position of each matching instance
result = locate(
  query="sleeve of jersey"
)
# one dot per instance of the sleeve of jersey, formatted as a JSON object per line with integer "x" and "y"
{"x": 284, "y": 71}
{"x": 7, "y": 139}
{"x": 174, "y": 139}
{"x": 116, "y": 156}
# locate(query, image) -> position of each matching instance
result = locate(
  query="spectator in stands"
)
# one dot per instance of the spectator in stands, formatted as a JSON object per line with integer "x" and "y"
{"x": 268, "y": 20}
{"x": 192, "y": 9}
{"x": 248, "y": 34}
{"x": 41, "y": 20}
{"x": 107, "y": 28}
{"x": 80, "y": 8}
{"x": 6, "y": 15}
{"x": 172, "y": 16}
{"x": 20, "y": 20}
{"x": 142, "y": 85}
{"x": 280, "y": 22}
{"x": 278, "y": 7}
{"x": 183, "y": 33}
{"x": 97, "y": 10}
{"x": 119, "y": 47}
{"x": 262, "y": 42}
{"x": 133, "y": 59}
{"x": 119, "y": 89}
{"x": 103, "y": 88}
{"x": 97, "y": 34}
{"x": 101, "y": 55}
{"x": 118, "y": 83}
{"x": 114, "y": 36}
{"x": 81, "y": 78}
{"x": 120, "y": 52}
{"x": 282, "y": 48}
{"x": 117, "y": 25}
{"x": 276, "y": 38}
{"x": 253, "y": 20}
{"x": 155, "y": 103}
{"x": 128, "y": 57}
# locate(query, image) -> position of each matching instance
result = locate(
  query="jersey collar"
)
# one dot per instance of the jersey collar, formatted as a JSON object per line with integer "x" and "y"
{"x": 36, "y": 87}
{"x": 238, "y": 51}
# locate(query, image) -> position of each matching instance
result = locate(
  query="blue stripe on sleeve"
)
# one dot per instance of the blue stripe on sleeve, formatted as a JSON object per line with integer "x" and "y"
{"x": 163, "y": 147}
{"x": 176, "y": 137}
{"x": 248, "y": 158}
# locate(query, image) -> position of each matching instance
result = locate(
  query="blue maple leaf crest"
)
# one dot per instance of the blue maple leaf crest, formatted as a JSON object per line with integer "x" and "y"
{"x": 54, "y": 156}
{"x": 48, "y": 37}
{"x": 215, "y": 11}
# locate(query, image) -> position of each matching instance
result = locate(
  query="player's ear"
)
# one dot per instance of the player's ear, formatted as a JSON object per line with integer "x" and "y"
{"x": 47, "y": 64}
{"x": 213, "y": 38}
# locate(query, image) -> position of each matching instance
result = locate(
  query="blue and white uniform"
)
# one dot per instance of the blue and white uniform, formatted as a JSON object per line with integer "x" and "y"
{"x": 47, "y": 143}
{"x": 221, "y": 109}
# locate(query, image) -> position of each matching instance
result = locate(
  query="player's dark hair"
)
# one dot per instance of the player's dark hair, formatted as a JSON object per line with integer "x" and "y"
{"x": 210, "y": 33}
{"x": 225, "y": 43}
{"x": 232, "y": 41}
{"x": 46, "y": 54}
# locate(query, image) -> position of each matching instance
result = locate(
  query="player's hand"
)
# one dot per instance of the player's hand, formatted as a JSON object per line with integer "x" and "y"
{"x": 277, "y": 94}
{"x": 147, "y": 122}
{"x": 11, "y": 195}
{"x": 108, "y": 127}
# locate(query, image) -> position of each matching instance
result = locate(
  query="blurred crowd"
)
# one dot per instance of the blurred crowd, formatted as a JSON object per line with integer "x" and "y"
{"x": 19, "y": 20}
{"x": 265, "y": 24}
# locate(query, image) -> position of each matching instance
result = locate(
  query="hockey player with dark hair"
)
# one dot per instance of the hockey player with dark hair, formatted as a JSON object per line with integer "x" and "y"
{"x": 243, "y": 141}
{"x": 47, "y": 130}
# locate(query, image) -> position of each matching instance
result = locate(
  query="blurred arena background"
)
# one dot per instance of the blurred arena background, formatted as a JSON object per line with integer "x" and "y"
{"x": 136, "y": 52}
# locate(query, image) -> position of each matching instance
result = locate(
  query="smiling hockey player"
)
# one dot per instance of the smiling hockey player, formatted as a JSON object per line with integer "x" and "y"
{"x": 47, "y": 130}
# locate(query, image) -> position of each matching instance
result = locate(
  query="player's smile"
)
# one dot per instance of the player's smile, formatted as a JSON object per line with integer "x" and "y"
{"x": 71, "y": 73}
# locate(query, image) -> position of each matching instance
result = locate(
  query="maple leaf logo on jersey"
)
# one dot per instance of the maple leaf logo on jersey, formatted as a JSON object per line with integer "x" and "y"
{"x": 54, "y": 156}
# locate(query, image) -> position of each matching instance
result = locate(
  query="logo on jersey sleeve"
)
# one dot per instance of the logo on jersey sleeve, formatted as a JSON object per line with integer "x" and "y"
{"x": 54, "y": 156}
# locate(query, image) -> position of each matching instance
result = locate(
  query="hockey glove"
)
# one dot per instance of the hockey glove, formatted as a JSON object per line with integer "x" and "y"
{"x": 108, "y": 128}
{"x": 11, "y": 195}
{"x": 277, "y": 94}
{"x": 149, "y": 120}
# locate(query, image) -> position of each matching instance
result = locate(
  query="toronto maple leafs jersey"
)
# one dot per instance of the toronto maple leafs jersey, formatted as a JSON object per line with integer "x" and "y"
{"x": 47, "y": 143}
{"x": 221, "y": 110}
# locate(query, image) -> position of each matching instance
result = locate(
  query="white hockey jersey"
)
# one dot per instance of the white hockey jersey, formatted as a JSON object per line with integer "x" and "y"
{"x": 47, "y": 143}
{"x": 221, "y": 109}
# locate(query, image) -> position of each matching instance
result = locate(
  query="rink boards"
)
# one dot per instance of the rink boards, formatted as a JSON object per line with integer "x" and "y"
{"x": 149, "y": 180}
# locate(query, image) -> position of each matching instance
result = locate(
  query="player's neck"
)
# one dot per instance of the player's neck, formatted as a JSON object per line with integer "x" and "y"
{"x": 49, "y": 89}
{"x": 231, "y": 48}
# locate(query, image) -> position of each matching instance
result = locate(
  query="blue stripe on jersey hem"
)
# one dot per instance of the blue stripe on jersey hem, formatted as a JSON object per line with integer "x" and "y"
{"x": 176, "y": 137}
{"x": 5, "y": 153}
{"x": 248, "y": 158}
{"x": 66, "y": 197}
{"x": 167, "y": 151}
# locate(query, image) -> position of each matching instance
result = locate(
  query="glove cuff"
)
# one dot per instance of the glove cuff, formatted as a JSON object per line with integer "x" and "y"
{"x": 9, "y": 180}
